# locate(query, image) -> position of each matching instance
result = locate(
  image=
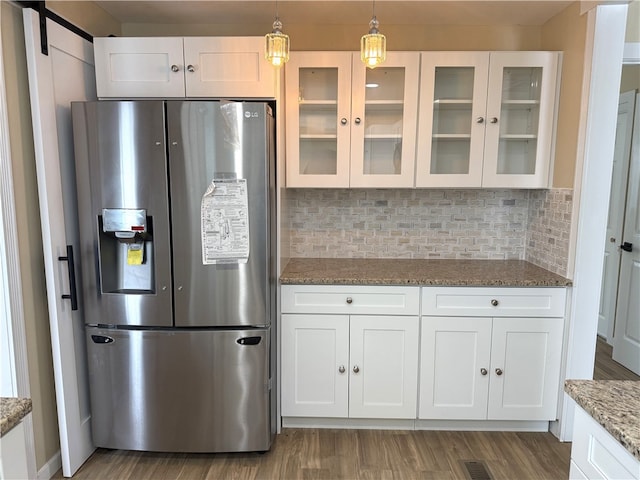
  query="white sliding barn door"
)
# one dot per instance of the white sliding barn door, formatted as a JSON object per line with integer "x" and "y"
{"x": 66, "y": 74}
{"x": 626, "y": 337}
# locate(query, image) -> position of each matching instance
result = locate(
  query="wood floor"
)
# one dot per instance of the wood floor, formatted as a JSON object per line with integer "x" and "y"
{"x": 363, "y": 454}
{"x": 351, "y": 454}
{"x": 606, "y": 368}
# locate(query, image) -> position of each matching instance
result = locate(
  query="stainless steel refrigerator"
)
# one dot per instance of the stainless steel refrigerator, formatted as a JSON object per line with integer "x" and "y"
{"x": 176, "y": 214}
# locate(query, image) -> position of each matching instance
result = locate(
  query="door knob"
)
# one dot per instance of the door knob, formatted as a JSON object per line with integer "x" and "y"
{"x": 494, "y": 302}
{"x": 480, "y": 120}
{"x": 498, "y": 371}
{"x": 483, "y": 371}
{"x": 341, "y": 369}
{"x": 358, "y": 120}
{"x": 343, "y": 121}
{"x": 349, "y": 300}
{"x": 191, "y": 68}
{"x": 356, "y": 369}
{"x": 626, "y": 246}
{"x": 494, "y": 120}
{"x": 175, "y": 68}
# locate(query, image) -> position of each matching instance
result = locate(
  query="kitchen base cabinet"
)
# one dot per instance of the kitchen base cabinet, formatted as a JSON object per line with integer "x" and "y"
{"x": 341, "y": 367}
{"x": 349, "y": 363}
{"x": 478, "y": 358}
{"x": 491, "y": 366}
{"x": 495, "y": 369}
{"x": 595, "y": 453}
{"x": 315, "y": 358}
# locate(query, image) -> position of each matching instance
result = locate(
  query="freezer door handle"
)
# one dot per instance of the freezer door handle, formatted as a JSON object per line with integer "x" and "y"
{"x": 249, "y": 340}
{"x": 101, "y": 339}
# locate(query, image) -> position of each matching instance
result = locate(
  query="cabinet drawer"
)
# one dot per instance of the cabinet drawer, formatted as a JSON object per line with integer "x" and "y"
{"x": 494, "y": 302}
{"x": 597, "y": 454}
{"x": 350, "y": 299}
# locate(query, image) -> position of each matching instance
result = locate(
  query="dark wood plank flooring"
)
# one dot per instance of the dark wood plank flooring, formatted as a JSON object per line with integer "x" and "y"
{"x": 606, "y": 368}
{"x": 351, "y": 454}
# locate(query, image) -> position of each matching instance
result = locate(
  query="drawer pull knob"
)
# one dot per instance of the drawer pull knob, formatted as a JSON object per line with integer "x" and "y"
{"x": 494, "y": 302}
{"x": 349, "y": 300}
{"x": 356, "y": 369}
{"x": 498, "y": 371}
{"x": 175, "y": 68}
{"x": 483, "y": 371}
{"x": 341, "y": 369}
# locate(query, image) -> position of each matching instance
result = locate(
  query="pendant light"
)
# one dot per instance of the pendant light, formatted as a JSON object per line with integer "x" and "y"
{"x": 277, "y": 44}
{"x": 373, "y": 46}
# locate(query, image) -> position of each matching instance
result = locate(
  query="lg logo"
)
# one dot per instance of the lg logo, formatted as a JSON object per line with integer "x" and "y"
{"x": 251, "y": 115}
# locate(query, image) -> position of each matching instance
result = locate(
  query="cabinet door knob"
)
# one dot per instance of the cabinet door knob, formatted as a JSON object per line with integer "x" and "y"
{"x": 483, "y": 371}
{"x": 494, "y": 120}
{"x": 480, "y": 120}
{"x": 191, "y": 68}
{"x": 498, "y": 371}
{"x": 343, "y": 121}
{"x": 341, "y": 369}
{"x": 356, "y": 369}
{"x": 349, "y": 300}
{"x": 175, "y": 68}
{"x": 494, "y": 302}
{"x": 358, "y": 120}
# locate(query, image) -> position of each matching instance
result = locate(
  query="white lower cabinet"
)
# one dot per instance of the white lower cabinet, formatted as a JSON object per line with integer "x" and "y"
{"x": 349, "y": 366}
{"x": 595, "y": 453}
{"x": 421, "y": 353}
{"x": 477, "y": 368}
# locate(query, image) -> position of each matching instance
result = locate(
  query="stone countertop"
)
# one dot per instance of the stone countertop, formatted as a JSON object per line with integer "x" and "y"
{"x": 12, "y": 411}
{"x": 365, "y": 271}
{"x": 614, "y": 404}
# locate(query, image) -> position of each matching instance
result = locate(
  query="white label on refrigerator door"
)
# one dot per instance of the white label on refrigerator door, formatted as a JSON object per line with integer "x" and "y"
{"x": 225, "y": 222}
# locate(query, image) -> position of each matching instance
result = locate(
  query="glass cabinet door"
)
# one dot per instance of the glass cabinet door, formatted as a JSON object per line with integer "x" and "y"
{"x": 520, "y": 118}
{"x": 383, "y": 123}
{"x": 318, "y": 115}
{"x": 452, "y": 122}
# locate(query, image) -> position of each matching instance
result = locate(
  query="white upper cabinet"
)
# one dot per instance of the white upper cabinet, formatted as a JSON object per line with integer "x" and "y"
{"x": 487, "y": 119}
{"x": 139, "y": 67}
{"x": 175, "y": 67}
{"x": 348, "y": 125}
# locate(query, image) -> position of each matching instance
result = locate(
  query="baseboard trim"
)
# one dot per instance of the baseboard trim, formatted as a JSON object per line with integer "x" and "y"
{"x": 50, "y": 468}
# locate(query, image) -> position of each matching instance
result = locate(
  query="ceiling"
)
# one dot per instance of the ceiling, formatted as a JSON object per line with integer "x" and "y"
{"x": 336, "y": 12}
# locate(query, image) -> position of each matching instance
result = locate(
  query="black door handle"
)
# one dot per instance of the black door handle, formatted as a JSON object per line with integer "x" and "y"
{"x": 73, "y": 295}
{"x": 627, "y": 247}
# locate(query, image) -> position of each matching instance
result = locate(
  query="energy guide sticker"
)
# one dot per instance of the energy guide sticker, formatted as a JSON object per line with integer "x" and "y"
{"x": 224, "y": 213}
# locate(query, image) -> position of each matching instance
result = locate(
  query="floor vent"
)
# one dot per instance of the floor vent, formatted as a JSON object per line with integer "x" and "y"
{"x": 476, "y": 470}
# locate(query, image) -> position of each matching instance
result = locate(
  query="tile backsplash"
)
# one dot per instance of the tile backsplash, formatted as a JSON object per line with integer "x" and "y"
{"x": 430, "y": 223}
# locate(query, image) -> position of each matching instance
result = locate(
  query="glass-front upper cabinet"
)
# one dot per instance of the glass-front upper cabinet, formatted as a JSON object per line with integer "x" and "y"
{"x": 521, "y": 116}
{"x": 318, "y": 93}
{"x": 348, "y": 125}
{"x": 453, "y": 95}
{"x": 384, "y": 112}
{"x": 487, "y": 119}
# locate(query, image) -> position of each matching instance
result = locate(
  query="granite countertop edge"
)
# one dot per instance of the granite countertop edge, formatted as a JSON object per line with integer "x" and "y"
{"x": 13, "y": 410}
{"x": 614, "y": 404}
{"x": 418, "y": 272}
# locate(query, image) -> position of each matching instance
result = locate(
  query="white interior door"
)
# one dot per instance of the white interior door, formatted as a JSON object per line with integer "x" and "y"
{"x": 615, "y": 221}
{"x": 626, "y": 337}
{"x": 66, "y": 74}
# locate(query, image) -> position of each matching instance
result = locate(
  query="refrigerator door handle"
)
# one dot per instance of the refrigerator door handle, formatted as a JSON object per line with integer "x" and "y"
{"x": 73, "y": 295}
{"x": 249, "y": 340}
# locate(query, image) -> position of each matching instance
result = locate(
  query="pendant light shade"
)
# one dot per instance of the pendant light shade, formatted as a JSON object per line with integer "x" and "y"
{"x": 277, "y": 44}
{"x": 373, "y": 46}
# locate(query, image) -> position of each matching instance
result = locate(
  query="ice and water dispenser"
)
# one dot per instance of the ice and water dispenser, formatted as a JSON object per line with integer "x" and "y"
{"x": 125, "y": 244}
